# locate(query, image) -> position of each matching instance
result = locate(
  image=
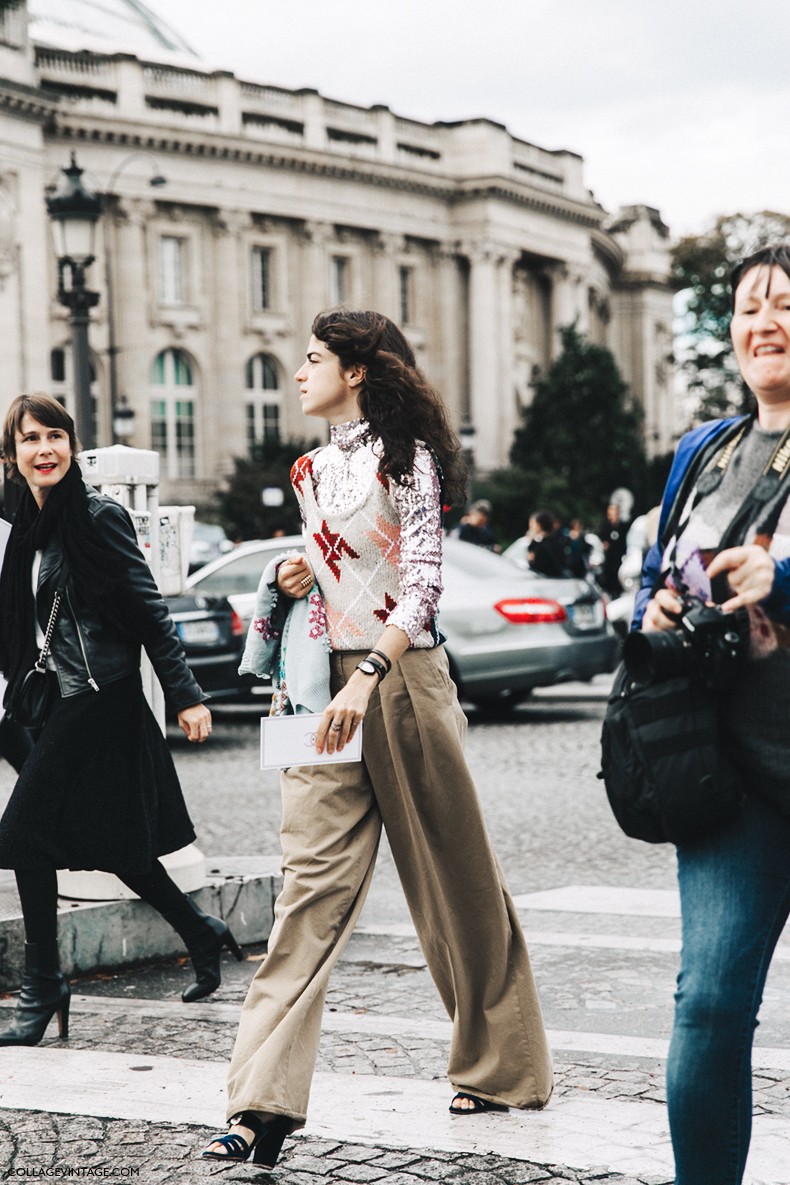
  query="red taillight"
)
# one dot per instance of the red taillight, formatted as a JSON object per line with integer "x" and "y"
{"x": 526, "y": 610}
{"x": 236, "y": 625}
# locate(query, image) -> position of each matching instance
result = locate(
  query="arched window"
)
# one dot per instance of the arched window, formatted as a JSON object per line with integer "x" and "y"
{"x": 61, "y": 383}
{"x": 264, "y": 399}
{"x": 173, "y": 413}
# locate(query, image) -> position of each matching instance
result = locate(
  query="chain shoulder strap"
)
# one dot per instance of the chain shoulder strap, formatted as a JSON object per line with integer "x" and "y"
{"x": 41, "y": 661}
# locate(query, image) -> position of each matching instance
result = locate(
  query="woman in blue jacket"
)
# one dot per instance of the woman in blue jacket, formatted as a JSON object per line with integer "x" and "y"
{"x": 735, "y": 883}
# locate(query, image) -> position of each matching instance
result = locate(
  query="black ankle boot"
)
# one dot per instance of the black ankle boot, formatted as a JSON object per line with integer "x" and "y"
{"x": 44, "y": 993}
{"x": 205, "y": 955}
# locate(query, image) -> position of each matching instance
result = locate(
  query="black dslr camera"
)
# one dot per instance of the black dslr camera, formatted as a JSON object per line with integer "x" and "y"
{"x": 708, "y": 646}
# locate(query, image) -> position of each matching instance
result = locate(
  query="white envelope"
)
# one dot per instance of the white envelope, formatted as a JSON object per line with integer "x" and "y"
{"x": 290, "y": 740}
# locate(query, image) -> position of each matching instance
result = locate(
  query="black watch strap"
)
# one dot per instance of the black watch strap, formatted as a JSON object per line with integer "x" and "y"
{"x": 372, "y": 666}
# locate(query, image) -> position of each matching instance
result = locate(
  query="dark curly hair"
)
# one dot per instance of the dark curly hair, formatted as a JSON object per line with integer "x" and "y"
{"x": 395, "y": 398}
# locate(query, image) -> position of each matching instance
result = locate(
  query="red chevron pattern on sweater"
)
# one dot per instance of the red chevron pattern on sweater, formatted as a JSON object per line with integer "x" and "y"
{"x": 389, "y": 605}
{"x": 333, "y": 548}
{"x": 301, "y": 468}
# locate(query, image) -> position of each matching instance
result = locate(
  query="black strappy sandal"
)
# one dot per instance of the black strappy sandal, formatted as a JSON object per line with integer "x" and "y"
{"x": 264, "y": 1147}
{"x": 479, "y": 1105}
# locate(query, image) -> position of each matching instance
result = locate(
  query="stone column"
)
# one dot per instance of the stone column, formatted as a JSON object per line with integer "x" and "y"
{"x": 315, "y": 269}
{"x": 568, "y": 302}
{"x": 221, "y": 413}
{"x": 490, "y": 349}
{"x": 134, "y": 298}
{"x": 12, "y": 342}
{"x": 387, "y": 250}
{"x": 448, "y": 331}
{"x": 508, "y": 402}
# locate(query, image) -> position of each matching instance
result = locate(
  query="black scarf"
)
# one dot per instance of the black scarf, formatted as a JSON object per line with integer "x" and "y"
{"x": 95, "y": 575}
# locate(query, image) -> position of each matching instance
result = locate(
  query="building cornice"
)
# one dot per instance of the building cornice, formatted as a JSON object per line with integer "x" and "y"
{"x": 633, "y": 281}
{"x": 26, "y": 102}
{"x": 318, "y": 164}
{"x": 556, "y": 205}
{"x": 608, "y": 250}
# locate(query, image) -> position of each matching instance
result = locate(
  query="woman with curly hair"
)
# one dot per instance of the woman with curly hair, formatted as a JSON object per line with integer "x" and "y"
{"x": 371, "y": 503}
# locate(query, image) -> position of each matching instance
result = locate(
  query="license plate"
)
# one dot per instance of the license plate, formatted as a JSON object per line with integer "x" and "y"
{"x": 587, "y": 617}
{"x": 199, "y": 633}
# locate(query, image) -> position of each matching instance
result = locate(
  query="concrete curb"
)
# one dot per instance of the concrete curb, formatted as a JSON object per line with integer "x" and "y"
{"x": 107, "y": 935}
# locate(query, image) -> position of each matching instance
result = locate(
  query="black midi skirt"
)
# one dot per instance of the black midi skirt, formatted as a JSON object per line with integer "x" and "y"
{"x": 99, "y": 789}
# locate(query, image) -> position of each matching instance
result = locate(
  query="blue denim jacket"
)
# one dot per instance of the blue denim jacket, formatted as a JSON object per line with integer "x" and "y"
{"x": 776, "y": 604}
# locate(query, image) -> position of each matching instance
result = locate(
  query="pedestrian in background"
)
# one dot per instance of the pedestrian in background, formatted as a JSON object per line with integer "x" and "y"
{"x": 735, "y": 883}
{"x": 371, "y": 503}
{"x": 475, "y": 526}
{"x": 613, "y": 535}
{"x": 99, "y": 789}
{"x": 547, "y": 553}
{"x": 578, "y": 548}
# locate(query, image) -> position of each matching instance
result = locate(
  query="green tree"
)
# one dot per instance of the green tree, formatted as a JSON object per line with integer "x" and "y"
{"x": 239, "y": 504}
{"x": 701, "y": 266}
{"x": 580, "y": 439}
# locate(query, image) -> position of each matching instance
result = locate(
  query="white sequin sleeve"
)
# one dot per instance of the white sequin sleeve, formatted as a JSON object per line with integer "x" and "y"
{"x": 420, "y": 565}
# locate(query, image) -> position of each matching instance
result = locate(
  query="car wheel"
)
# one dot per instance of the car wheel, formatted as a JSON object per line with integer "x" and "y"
{"x": 499, "y": 704}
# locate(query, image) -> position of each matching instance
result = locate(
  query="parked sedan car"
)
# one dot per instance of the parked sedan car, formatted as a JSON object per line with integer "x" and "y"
{"x": 508, "y": 630}
{"x": 212, "y": 634}
{"x": 236, "y": 576}
{"x": 208, "y": 541}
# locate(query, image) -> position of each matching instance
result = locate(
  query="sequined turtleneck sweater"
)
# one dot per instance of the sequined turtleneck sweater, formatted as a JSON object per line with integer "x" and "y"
{"x": 375, "y": 545}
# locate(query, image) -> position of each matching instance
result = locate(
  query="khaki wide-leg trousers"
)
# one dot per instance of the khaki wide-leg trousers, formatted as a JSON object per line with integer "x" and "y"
{"x": 414, "y": 779}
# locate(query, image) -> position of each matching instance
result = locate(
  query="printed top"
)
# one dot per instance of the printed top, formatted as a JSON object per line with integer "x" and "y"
{"x": 374, "y": 544}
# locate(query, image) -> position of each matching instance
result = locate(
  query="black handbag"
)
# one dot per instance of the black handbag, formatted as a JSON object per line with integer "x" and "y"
{"x": 664, "y": 760}
{"x": 667, "y": 775}
{"x": 28, "y": 698}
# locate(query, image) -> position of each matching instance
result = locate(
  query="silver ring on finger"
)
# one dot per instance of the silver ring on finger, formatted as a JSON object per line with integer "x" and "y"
{"x": 337, "y": 727}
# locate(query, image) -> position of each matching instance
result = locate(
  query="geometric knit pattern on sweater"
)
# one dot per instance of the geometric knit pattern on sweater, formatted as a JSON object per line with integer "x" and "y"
{"x": 375, "y": 545}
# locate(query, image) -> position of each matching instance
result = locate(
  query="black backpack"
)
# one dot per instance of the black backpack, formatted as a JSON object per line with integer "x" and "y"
{"x": 667, "y": 777}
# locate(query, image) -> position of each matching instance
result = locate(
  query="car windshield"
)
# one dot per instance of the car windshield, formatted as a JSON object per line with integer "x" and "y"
{"x": 470, "y": 560}
{"x": 241, "y": 574}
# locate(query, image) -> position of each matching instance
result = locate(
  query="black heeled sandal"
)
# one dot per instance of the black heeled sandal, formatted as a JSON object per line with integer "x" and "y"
{"x": 479, "y": 1106}
{"x": 206, "y": 960}
{"x": 264, "y": 1147}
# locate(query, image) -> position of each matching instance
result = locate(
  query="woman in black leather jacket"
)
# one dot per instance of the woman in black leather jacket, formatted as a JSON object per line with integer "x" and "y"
{"x": 99, "y": 789}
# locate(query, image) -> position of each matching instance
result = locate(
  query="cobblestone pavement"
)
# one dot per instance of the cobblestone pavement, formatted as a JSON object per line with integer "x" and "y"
{"x": 103, "y": 1148}
{"x": 601, "y": 921}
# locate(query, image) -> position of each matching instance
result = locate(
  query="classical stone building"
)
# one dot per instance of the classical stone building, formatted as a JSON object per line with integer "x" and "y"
{"x": 278, "y": 203}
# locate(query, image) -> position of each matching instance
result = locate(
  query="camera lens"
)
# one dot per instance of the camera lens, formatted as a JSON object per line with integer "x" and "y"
{"x": 660, "y": 654}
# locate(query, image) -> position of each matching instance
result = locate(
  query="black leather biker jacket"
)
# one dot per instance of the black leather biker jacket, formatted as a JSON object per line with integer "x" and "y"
{"x": 86, "y": 652}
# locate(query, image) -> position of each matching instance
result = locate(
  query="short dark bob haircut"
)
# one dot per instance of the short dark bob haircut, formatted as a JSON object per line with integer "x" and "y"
{"x": 48, "y": 412}
{"x": 767, "y": 257}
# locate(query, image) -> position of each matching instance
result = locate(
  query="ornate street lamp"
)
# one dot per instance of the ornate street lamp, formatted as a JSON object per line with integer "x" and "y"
{"x": 74, "y": 212}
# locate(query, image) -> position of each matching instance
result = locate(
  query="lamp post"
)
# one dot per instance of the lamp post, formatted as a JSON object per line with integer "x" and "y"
{"x": 123, "y": 421}
{"x": 121, "y": 415}
{"x": 74, "y": 211}
{"x": 468, "y": 437}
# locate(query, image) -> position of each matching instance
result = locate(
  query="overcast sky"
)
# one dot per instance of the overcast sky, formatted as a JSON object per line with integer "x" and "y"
{"x": 681, "y": 104}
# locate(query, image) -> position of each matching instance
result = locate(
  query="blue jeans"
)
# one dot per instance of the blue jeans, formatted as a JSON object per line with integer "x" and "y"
{"x": 735, "y": 899}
